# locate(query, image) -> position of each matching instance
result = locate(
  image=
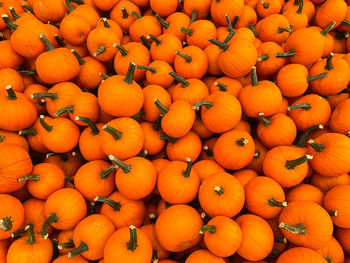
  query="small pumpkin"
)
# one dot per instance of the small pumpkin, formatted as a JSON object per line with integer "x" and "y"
{"x": 12, "y": 215}
{"x": 300, "y": 254}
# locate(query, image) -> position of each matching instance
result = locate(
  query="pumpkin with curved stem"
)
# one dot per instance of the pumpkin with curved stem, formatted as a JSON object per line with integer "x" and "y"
{"x": 12, "y": 215}
{"x": 157, "y": 73}
{"x": 153, "y": 144}
{"x": 34, "y": 214}
{"x": 299, "y": 255}
{"x": 74, "y": 29}
{"x": 164, "y": 47}
{"x": 143, "y": 26}
{"x": 274, "y": 28}
{"x": 334, "y": 10}
{"x": 196, "y": 8}
{"x": 268, "y": 64}
{"x": 199, "y": 33}
{"x": 65, "y": 241}
{"x": 177, "y": 228}
{"x": 40, "y": 104}
{"x": 268, "y": 7}
{"x": 218, "y": 10}
{"x": 173, "y": 24}
{"x": 226, "y": 84}
{"x": 112, "y": 25}
{"x": 305, "y": 223}
{"x": 305, "y": 192}
{"x": 121, "y": 14}
{"x": 298, "y": 18}
{"x": 332, "y": 251}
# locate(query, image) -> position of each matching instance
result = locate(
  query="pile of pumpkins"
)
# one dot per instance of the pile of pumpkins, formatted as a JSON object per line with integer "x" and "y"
{"x": 193, "y": 131}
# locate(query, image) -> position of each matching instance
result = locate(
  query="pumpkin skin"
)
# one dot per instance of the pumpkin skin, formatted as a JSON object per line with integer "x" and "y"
{"x": 149, "y": 230}
{"x": 153, "y": 144}
{"x": 257, "y": 237}
{"x": 177, "y": 228}
{"x": 201, "y": 255}
{"x": 4, "y": 245}
{"x": 333, "y": 251}
{"x": 274, "y": 28}
{"x": 331, "y": 11}
{"x": 331, "y": 160}
{"x": 224, "y": 189}
{"x": 13, "y": 138}
{"x": 34, "y": 214}
{"x": 204, "y": 168}
{"x": 12, "y": 59}
{"x": 11, "y": 77}
{"x": 244, "y": 176}
{"x": 305, "y": 192}
{"x": 218, "y": 10}
{"x": 12, "y": 215}
{"x": 300, "y": 255}
{"x": 325, "y": 183}
{"x": 339, "y": 120}
{"x": 66, "y": 259}
{"x": 13, "y": 168}
{"x": 173, "y": 24}
{"x": 230, "y": 85}
{"x": 305, "y": 223}
{"x": 342, "y": 236}
{"x": 138, "y": 249}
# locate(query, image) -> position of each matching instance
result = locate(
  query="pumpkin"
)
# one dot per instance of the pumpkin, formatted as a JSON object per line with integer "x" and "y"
{"x": 68, "y": 162}
{"x": 268, "y": 64}
{"x": 196, "y": 8}
{"x": 332, "y": 251}
{"x": 173, "y": 24}
{"x": 204, "y": 168}
{"x": 11, "y": 58}
{"x": 298, "y": 18}
{"x": 11, "y": 77}
{"x": 218, "y": 10}
{"x": 163, "y": 9}
{"x": 66, "y": 259}
{"x": 199, "y": 33}
{"x": 34, "y": 214}
{"x": 305, "y": 192}
{"x": 342, "y": 235}
{"x": 13, "y": 138}
{"x": 331, "y": 11}
{"x": 74, "y": 29}
{"x": 201, "y": 255}
{"x": 274, "y": 27}
{"x": 339, "y": 121}
{"x": 244, "y": 176}
{"x": 121, "y": 13}
{"x": 158, "y": 73}
{"x": 12, "y": 215}
{"x": 325, "y": 183}
{"x": 40, "y": 104}
{"x": 300, "y": 254}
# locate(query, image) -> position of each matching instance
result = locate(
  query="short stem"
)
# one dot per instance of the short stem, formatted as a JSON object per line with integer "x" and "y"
{"x": 13, "y": 13}
{"x": 90, "y": 123}
{"x": 155, "y": 39}
{"x": 205, "y": 217}
{"x": 78, "y": 57}
{"x": 275, "y": 253}
{"x": 328, "y": 28}
{"x": 187, "y": 31}
{"x": 162, "y": 22}
{"x": 50, "y": 220}
{"x": 101, "y": 49}
{"x": 79, "y": 250}
{"x": 193, "y": 16}
{"x": 163, "y": 110}
{"x": 186, "y": 173}
{"x": 157, "y": 124}
{"x": 255, "y": 81}
{"x": 2, "y": 138}
{"x": 138, "y": 115}
{"x": 346, "y": 22}
{"x": 125, "y": 167}
{"x": 153, "y": 70}
{"x": 318, "y": 147}
{"x": 121, "y": 49}
{"x": 166, "y": 137}
{"x": 290, "y": 53}
{"x": 329, "y": 65}
{"x": 117, "y": 135}
{"x": 184, "y": 83}
{"x": 103, "y": 75}
{"x": 6, "y": 223}
{"x": 302, "y": 140}
{"x": 266, "y": 122}
{"x": 207, "y": 151}
{"x": 105, "y": 23}
{"x": 263, "y": 57}
{"x": 187, "y": 58}
{"x": 207, "y": 228}
{"x": 11, "y": 94}
{"x": 60, "y": 41}
{"x": 31, "y": 234}
{"x": 69, "y": 5}
{"x": 51, "y": 96}
{"x": 291, "y": 164}
{"x": 280, "y": 239}
{"x": 105, "y": 173}
{"x": 333, "y": 212}
{"x": 132, "y": 244}
{"x": 32, "y": 177}
{"x": 68, "y": 109}
{"x": 242, "y": 142}
{"x": 18, "y": 233}
{"x": 219, "y": 190}
{"x": 207, "y": 104}
{"x": 329, "y": 260}
{"x": 145, "y": 41}
{"x": 319, "y": 76}
{"x": 304, "y": 106}
{"x": 273, "y": 202}
{"x": 136, "y": 14}
{"x": 129, "y": 77}
{"x": 125, "y": 12}
{"x": 69, "y": 179}
{"x": 47, "y": 42}
{"x": 282, "y": 29}
{"x": 252, "y": 28}
{"x": 300, "y": 8}
{"x": 264, "y": 4}
{"x": 229, "y": 37}
{"x": 27, "y": 72}
{"x": 257, "y": 154}
{"x": 221, "y": 86}
{"x": 28, "y": 8}
{"x": 298, "y": 229}
{"x": 221, "y": 45}
{"x": 9, "y": 23}
{"x": 44, "y": 124}
{"x": 67, "y": 245}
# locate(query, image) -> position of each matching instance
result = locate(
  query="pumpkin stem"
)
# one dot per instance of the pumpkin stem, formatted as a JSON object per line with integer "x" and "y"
{"x": 67, "y": 245}
{"x": 221, "y": 86}
{"x": 78, "y": 2}
{"x": 230, "y": 26}
{"x": 18, "y": 233}
{"x": 117, "y": 135}
{"x": 346, "y": 22}
{"x": 329, "y": 260}
{"x": 44, "y": 124}
{"x": 152, "y": 218}
{"x": 266, "y": 122}
{"x": 138, "y": 115}
{"x": 163, "y": 110}
{"x": 152, "y": 70}
{"x": 265, "y": 5}
{"x": 101, "y": 49}
{"x": 47, "y": 42}
{"x": 242, "y": 142}
{"x": 60, "y": 41}
{"x": 205, "y": 217}
{"x": 155, "y": 39}
{"x": 50, "y": 220}
{"x": 121, "y": 49}
{"x": 280, "y": 239}
{"x": 68, "y": 109}
{"x": 125, "y": 167}
{"x": 80, "y": 249}
{"x": 256, "y": 154}
{"x": 125, "y": 12}
{"x": 69, "y": 179}
{"x": 186, "y": 173}
{"x": 291, "y": 164}
{"x": 318, "y": 147}
{"x": 28, "y": 8}
{"x": 255, "y": 81}
{"x": 252, "y": 28}
{"x": 187, "y": 58}
{"x": 219, "y": 190}
{"x": 290, "y": 53}
{"x": 69, "y": 5}
{"x": 193, "y": 16}
{"x": 166, "y": 137}
{"x": 207, "y": 151}
{"x": 207, "y": 228}
{"x": 115, "y": 205}
{"x": 273, "y": 202}
{"x": 328, "y": 28}
{"x": 105, "y": 173}
{"x": 282, "y": 29}
{"x": 304, "y": 106}
{"x": 167, "y": 205}
{"x": 145, "y": 41}
{"x": 162, "y": 22}
{"x": 187, "y": 31}
{"x": 32, "y": 177}
{"x": 298, "y": 229}
{"x": 300, "y": 8}
{"x": 2, "y": 138}
{"x": 129, "y": 77}
{"x": 103, "y": 75}
{"x": 8, "y": 22}
{"x": 221, "y": 45}
{"x": 229, "y": 37}
{"x": 307, "y": 134}
{"x": 27, "y": 72}
{"x": 6, "y": 223}
{"x": 31, "y": 234}
{"x": 275, "y": 253}
{"x": 207, "y": 104}
{"x": 154, "y": 256}
{"x": 11, "y": 94}
{"x": 184, "y": 83}
{"x": 132, "y": 244}
{"x": 78, "y": 57}
{"x": 63, "y": 156}
{"x": 13, "y": 13}
{"x": 329, "y": 65}
{"x": 157, "y": 124}
{"x": 319, "y": 76}
{"x": 105, "y": 22}
{"x": 136, "y": 14}
{"x": 51, "y": 96}
{"x": 90, "y": 123}
{"x": 263, "y": 57}
{"x": 333, "y": 212}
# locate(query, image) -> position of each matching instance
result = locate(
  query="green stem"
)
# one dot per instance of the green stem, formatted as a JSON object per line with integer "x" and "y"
{"x": 282, "y": 29}
{"x": 319, "y": 76}
{"x": 187, "y": 58}
{"x": 153, "y": 70}
{"x": 207, "y": 228}
{"x": 2, "y": 138}
{"x": 78, "y": 2}
{"x": 68, "y": 109}
{"x": 51, "y": 96}
{"x": 221, "y": 45}
{"x": 32, "y": 177}
{"x": 121, "y": 49}
{"x": 47, "y": 43}
{"x": 31, "y": 234}
{"x": 27, "y": 72}
{"x": 103, "y": 75}
{"x": 11, "y": 94}
{"x": 132, "y": 244}
{"x": 101, "y": 49}
{"x": 255, "y": 81}
{"x": 229, "y": 37}
{"x": 329, "y": 260}
{"x": 266, "y": 122}
{"x": 69, "y": 5}
{"x": 50, "y": 220}
{"x": 274, "y": 203}
{"x": 115, "y": 205}
{"x": 162, "y": 22}
{"x": 138, "y": 115}
{"x": 264, "y": 4}
{"x": 242, "y": 142}
{"x": 207, "y": 104}
{"x": 157, "y": 124}
{"x": 207, "y": 151}
{"x": 187, "y": 31}
{"x": 219, "y": 190}
{"x": 166, "y": 137}
{"x": 69, "y": 179}
{"x": 193, "y": 16}
{"x": 291, "y": 164}
{"x": 18, "y": 233}
{"x": 67, "y": 245}
{"x": 83, "y": 247}
{"x": 44, "y": 124}
{"x": 163, "y": 110}
{"x": 13, "y": 13}
{"x": 117, "y": 135}
{"x": 304, "y": 106}
{"x": 129, "y": 77}
{"x": 346, "y": 22}
{"x": 290, "y": 53}
{"x": 329, "y": 65}
{"x": 78, "y": 57}
{"x": 125, "y": 12}
{"x": 229, "y": 24}
{"x": 136, "y": 14}
{"x": 275, "y": 253}
{"x": 328, "y": 28}
{"x": 6, "y": 223}
{"x": 318, "y": 147}
{"x": 205, "y": 217}
{"x": 252, "y": 28}
{"x": 63, "y": 156}
{"x": 9, "y": 23}
{"x": 145, "y": 42}
{"x": 221, "y": 86}
{"x": 184, "y": 83}
{"x": 125, "y": 167}
{"x": 186, "y": 173}
{"x": 105, "y": 173}
{"x": 280, "y": 239}
{"x": 90, "y": 123}
{"x": 263, "y": 57}
{"x": 333, "y": 212}
{"x": 105, "y": 22}
{"x": 300, "y": 8}
{"x": 302, "y": 140}
{"x": 28, "y": 8}
{"x": 155, "y": 39}
{"x": 299, "y": 229}
{"x": 60, "y": 41}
